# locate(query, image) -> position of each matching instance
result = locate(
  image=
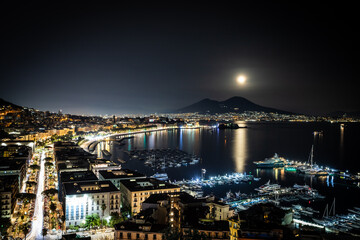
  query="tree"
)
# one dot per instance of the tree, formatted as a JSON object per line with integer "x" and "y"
{"x": 25, "y": 229}
{"x": 44, "y": 232}
{"x": 49, "y": 164}
{"x": 54, "y": 137}
{"x": 35, "y": 167}
{"x": 53, "y": 207}
{"x": 115, "y": 219}
{"x": 92, "y": 220}
{"x": 50, "y": 192}
{"x": 48, "y": 159}
{"x": 31, "y": 183}
{"x": 26, "y": 197}
{"x": 103, "y": 208}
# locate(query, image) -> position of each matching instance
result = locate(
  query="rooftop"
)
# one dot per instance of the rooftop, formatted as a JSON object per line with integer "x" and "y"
{"x": 77, "y": 176}
{"x": 7, "y": 183}
{"x": 140, "y": 227}
{"x": 75, "y": 188}
{"x": 184, "y": 197}
{"x": 11, "y": 164}
{"x": 120, "y": 174}
{"x": 222, "y": 226}
{"x": 144, "y": 184}
{"x": 73, "y": 165}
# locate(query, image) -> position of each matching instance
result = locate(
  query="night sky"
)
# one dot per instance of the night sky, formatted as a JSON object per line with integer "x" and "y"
{"x": 113, "y": 59}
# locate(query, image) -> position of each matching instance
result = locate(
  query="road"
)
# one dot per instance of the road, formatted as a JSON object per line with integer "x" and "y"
{"x": 91, "y": 140}
{"x": 37, "y": 223}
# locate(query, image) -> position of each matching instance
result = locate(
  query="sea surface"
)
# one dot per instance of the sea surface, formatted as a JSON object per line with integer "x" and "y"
{"x": 234, "y": 150}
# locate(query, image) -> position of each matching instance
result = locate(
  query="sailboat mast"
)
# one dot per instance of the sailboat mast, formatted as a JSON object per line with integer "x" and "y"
{"x": 311, "y": 156}
{"x": 326, "y": 211}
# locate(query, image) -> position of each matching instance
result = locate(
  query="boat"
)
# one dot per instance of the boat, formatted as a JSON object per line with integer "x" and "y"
{"x": 267, "y": 187}
{"x": 313, "y": 169}
{"x": 301, "y": 187}
{"x": 273, "y": 162}
{"x": 161, "y": 176}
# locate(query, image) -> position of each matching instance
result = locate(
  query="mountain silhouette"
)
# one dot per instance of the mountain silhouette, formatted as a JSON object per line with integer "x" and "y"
{"x": 234, "y": 104}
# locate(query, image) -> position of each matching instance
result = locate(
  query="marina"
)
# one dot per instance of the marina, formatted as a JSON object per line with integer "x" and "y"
{"x": 195, "y": 186}
{"x": 164, "y": 158}
{"x": 294, "y": 144}
{"x": 307, "y": 168}
{"x": 272, "y": 193}
{"x": 294, "y": 198}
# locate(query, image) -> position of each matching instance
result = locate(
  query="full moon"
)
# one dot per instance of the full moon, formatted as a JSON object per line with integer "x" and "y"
{"x": 241, "y": 79}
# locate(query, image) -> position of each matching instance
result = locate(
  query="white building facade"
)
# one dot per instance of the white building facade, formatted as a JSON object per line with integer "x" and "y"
{"x": 85, "y": 198}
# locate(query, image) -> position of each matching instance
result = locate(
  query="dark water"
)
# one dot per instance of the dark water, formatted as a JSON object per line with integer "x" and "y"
{"x": 226, "y": 151}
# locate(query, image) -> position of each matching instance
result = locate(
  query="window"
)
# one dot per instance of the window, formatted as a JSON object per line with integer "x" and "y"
{"x": 137, "y": 235}
{"x": 121, "y": 235}
{"x": 129, "y": 235}
{"x": 154, "y": 236}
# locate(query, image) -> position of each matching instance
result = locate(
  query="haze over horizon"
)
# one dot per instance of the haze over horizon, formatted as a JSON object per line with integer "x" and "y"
{"x": 101, "y": 59}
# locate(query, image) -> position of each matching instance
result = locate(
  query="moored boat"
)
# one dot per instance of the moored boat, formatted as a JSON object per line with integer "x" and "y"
{"x": 273, "y": 162}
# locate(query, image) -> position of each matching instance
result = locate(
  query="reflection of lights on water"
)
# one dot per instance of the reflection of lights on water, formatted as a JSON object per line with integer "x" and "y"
{"x": 151, "y": 140}
{"x": 240, "y": 149}
{"x": 341, "y": 142}
{"x": 276, "y": 173}
{"x": 181, "y": 140}
{"x": 282, "y": 174}
{"x": 129, "y": 144}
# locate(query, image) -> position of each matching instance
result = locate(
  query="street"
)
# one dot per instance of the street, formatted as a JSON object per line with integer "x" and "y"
{"x": 37, "y": 223}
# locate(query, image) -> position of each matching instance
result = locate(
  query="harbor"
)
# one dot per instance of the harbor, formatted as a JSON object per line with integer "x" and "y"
{"x": 304, "y": 187}
{"x": 308, "y": 168}
{"x": 295, "y": 199}
{"x": 195, "y": 186}
{"x": 164, "y": 158}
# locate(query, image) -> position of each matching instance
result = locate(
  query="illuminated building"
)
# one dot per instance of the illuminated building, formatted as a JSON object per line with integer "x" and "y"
{"x": 13, "y": 167}
{"x": 262, "y": 221}
{"x": 136, "y": 191}
{"x": 133, "y": 230}
{"x": 115, "y": 176}
{"x": 9, "y": 188}
{"x": 98, "y": 164}
{"x": 219, "y": 210}
{"x": 85, "y": 198}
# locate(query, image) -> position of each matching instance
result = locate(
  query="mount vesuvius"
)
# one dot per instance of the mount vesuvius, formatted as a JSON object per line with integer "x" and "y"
{"x": 234, "y": 104}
